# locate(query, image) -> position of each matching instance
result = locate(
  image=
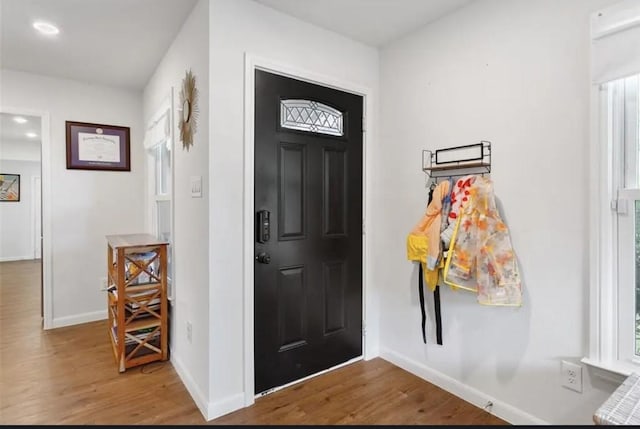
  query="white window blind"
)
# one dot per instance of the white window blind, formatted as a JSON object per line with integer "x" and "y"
{"x": 615, "y": 34}
{"x": 159, "y": 129}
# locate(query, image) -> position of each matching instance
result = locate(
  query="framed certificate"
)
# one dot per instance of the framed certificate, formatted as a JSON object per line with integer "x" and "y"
{"x": 97, "y": 147}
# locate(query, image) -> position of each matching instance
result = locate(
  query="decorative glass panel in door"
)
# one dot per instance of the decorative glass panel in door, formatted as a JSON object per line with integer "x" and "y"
{"x": 312, "y": 116}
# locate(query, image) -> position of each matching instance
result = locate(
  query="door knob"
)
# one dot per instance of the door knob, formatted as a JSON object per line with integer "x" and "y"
{"x": 263, "y": 258}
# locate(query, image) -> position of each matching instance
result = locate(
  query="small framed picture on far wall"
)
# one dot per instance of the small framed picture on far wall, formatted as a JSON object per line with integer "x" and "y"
{"x": 9, "y": 187}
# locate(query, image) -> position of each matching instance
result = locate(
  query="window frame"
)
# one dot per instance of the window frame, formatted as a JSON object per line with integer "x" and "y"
{"x": 611, "y": 321}
{"x": 163, "y": 115}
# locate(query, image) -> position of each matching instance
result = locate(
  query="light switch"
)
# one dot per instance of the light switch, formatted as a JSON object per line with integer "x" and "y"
{"x": 196, "y": 186}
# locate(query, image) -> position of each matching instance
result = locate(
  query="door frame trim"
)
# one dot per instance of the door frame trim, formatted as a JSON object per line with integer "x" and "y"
{"x": 47, "y": 225}
{"x": 252, "y": 63}
{"x": 34, "y": 217}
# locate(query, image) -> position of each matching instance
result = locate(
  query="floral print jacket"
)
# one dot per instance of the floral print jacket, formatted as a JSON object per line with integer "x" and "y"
{"x": 481, "y": 258}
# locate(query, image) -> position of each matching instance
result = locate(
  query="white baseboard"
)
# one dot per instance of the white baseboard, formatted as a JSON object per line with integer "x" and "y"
{"x": 193, "y": 389}
{"x": 15, "y": 258}
{"x": 77, "y": 319}
{"x": 371, "y": 353}
{"x": 209, "y": 410}
{"x": 225, "y": 406}
{"x": 500, "y": 409}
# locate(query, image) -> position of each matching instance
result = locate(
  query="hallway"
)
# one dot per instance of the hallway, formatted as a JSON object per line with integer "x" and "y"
{"x": 67, "y": 375}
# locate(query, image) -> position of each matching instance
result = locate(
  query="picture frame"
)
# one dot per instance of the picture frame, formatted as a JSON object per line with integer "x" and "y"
{"x": 98, "y": 147}
{"x": 9, "y": 188}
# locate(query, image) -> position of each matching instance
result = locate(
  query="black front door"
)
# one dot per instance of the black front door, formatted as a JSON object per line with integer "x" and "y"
{"x": 308, "y": 239}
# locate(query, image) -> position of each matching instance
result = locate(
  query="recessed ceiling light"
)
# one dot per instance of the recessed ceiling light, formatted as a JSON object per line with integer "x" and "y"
{"x": 20, "y": 119}
{"x": 46, "y": 28}
{"x": 31, "y": 135}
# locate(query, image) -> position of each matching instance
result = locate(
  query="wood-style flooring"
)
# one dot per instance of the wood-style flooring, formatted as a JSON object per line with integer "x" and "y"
{"x": 68, "y": 376}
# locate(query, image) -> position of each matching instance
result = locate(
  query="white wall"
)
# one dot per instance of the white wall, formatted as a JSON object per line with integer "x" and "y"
{"x": 86, "y": 205}
{"x": 16, "y": 218}
{"x": 20, "y": 150}
{"x": 190, "y": 50}
{"x": 239, "y": 26}
{"x": 515, "y": 73}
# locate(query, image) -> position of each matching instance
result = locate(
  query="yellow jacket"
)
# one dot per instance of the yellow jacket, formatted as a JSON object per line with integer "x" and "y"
{"x": 423, "y": 243}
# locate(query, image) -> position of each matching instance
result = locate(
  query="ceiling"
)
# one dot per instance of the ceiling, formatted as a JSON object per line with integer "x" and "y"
{"x": 110, "y": 42}
{"x": 120, "y": 42}
{"x": 11, "y": 131}
{"x": 373, "y": 22}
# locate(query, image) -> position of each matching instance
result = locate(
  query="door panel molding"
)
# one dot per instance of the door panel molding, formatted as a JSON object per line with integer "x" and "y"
{"x": 291, "y": 207}
{"x": 370, "y": 309}
{"x": 334, "y": 224}
{"x": 291, "y": 309}
{"x": 335, "y": 310}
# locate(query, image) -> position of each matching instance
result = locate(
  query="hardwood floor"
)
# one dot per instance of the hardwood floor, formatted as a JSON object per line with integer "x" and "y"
{"x": 68, "y": 376}
{"x": 366, "y": 393}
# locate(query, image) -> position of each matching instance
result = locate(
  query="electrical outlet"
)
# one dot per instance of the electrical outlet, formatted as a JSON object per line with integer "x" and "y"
{"x": 572, "y": 376}
{"x": 189, "y": 331}
{"x": 103, "y": 283}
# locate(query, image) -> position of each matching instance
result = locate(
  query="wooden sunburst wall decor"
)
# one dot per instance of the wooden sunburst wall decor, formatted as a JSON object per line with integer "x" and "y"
{"x": 189, "y": 102}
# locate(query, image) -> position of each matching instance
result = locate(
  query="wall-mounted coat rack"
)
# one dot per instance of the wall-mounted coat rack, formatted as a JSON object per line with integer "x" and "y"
{"x": 458, "y": 160}
{"x": 445, "y": 163}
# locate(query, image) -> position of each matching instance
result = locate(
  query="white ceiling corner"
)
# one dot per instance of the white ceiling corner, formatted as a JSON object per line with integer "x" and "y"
{"x": 373, "y": 22}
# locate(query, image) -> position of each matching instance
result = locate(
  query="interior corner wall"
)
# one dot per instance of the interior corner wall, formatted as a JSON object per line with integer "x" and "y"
{"x": 190, "y": 252}
{"x": 239, "y": 27}
{"x": 86, "y": 205}
{"x": 516, "y": 73}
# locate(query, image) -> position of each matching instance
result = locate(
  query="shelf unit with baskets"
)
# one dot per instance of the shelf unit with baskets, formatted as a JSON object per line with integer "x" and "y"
{"x": 137, "y": 299}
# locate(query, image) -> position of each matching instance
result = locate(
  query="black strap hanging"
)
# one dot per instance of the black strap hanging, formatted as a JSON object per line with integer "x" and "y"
{"x": 436, "y": 304}
{"x": 424, "y": 313}
{"x": 436, "y": 299}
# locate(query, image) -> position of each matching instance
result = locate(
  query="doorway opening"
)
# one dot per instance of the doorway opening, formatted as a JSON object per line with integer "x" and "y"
{"x": 23, "y": 143}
